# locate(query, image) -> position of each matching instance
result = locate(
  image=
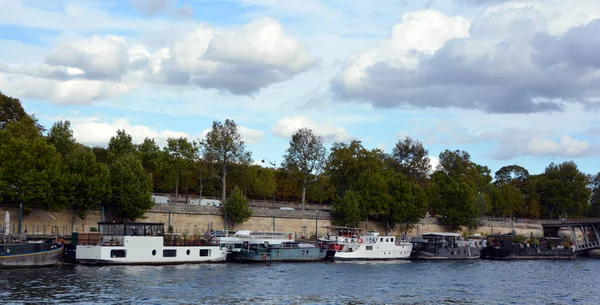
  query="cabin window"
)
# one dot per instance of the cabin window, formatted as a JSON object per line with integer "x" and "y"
{"x": 153, "y": 252}
{"x": 205, "y": 252}
{"x": 387, "y": 239}
{"x": 187, "y": 252}
{"x": 392, "y": 239}
{"x": 381, "y": 239}
{"x": 118, "y": 253}
{"x": 170, "y": 253}
{"x": 369, "y": 248}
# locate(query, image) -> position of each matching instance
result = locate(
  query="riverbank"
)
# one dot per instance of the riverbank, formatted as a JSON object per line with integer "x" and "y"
{"x": 198, "y": 219}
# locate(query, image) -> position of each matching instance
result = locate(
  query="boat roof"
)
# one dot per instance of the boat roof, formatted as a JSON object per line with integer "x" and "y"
{"x": 442, "y": 234}
{"x": 129, "y": 223}
{"x": 340, "y": 227}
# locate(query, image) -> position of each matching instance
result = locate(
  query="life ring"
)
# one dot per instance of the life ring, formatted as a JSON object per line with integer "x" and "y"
{"x": 264, "y": 256}
{"x": 290, "y": 236}
{"x": 360, "y": 240}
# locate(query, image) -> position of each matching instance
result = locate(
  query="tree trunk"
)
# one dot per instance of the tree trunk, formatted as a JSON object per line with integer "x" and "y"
{"x": 177, "y": 186}
{"x": 303, "y": 194}
{"x": 224, "y": 184}
{"x": 186, "y": 188}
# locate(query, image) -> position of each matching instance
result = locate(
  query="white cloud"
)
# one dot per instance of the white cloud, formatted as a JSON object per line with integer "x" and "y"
{"x": 241, "y": 61}
{"x": 515, "y": 57}
{"x": 249, "y": 136}
{"x": 546, "y": 147}
{"x": 434, "y": 162}
{"x": 152, "y": 7}
{"x": 96, "y": 132}
{"x": 287, "y": 126}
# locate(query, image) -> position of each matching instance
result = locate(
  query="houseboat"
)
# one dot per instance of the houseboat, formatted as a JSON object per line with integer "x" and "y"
{"x": 349, "y": 244}
{"x": 145, "y": 243}
{"x": 287, "y": 251}
{"x": 443, "y": 246}
{"x": 503, "y": 247}
{"x": 238, "y": 238}
{"x": 17, "y": 251}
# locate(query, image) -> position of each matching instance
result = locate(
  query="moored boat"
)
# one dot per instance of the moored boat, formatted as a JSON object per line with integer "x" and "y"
{"x": 503, "y": 247}
{"x": 21, "y": 253}
{"x": 145, "y": 243}
{"x": 443, "y": 245}
{"x": 349, "y": 244}
{"x": 288, "y": 251}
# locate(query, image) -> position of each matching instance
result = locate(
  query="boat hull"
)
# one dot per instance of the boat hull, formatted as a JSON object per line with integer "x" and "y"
{"x": 448, "y": 254}
{"x": 494, "y": 253}
{"x": 279, "y": 255}
{"x": 35, "y": 259}
{"x": 372, "y": 252}
{"x": 108, "y": 255}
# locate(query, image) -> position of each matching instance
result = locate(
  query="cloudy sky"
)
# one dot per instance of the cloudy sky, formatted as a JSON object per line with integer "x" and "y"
{"x": 511, "y": 82}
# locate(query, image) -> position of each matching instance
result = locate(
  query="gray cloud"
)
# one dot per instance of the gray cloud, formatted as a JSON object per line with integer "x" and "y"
{"x": 153, "y": 7}
{"x": 506, "y": 65}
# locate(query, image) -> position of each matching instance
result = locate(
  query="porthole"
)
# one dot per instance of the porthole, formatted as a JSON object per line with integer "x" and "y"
{"x": 187, "y": 252}
{"x": 153, "y": 252}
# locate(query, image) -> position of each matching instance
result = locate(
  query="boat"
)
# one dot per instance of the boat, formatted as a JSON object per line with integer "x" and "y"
{"x": 17, "y": 251}
{"x": 349, "y": 244}
{"x": 287, "y": 251}
{"x": 237, "y": 239}
{"x": 144, "y": 243}
{"x": 503, "y": 247}
{"x": 443, "y": 245}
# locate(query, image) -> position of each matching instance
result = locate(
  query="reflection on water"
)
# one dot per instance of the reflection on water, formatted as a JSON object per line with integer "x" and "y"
{"x": 391, "y": 282}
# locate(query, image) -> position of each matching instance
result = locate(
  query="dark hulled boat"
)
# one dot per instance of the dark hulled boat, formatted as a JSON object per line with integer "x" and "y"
{"x": 15, "y": 252}
{"x": 434, "y": 246}
{"x": 285, "y": 252}
{"x": 503, "y": 246}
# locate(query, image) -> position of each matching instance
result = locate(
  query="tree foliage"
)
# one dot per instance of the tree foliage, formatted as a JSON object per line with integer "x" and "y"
{"x": 223, "y": 146}
{"x": 237, "y": 208}
{"x": 131, "y": 188}
{"x": 411, "y": 159}
{"x": 563, "y": 189}
{"x": 595, "y": 199}
{"x": 306, "y": 156}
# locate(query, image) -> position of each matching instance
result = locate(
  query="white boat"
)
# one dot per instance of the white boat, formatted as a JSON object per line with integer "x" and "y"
{"x": 349, "y": 244}
{"x": 245, "y": 237}
{"x": 144, "y": 243}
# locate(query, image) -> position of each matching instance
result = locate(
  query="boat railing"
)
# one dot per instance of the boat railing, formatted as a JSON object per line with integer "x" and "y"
{"x": 189, "y": 240}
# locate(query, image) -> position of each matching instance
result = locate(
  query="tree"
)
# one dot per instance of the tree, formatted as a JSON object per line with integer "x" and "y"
{"x": 459, "y": 189}
{"x": 264, "y": 182}
{"x": 86, "y": 184}
{"x": 11, "y": 110}
{"x": 151, "y": 157}
{"x": 223, "y": 146}
{"x": 183, "y": 153}
{"x": 409, "y": 202}
{"x": 31, "y": 170}
{"x": 563, "y": 189}
{"x": 131, "y": 188}
{"x": 410, "y": 158}
{"x": 307, "y": 156}
{"x": 347, "y": 209}
{"x": 120, "y": 145}
{"x": 237, "y": 208}
{"x": 595, "y": 199}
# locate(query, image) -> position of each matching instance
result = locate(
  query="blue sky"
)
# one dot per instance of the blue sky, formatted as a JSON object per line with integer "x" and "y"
{"x": 511, "y": 82}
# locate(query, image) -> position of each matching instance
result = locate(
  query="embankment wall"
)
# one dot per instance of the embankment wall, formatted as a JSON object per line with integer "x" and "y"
{"x": 198, "y": 219}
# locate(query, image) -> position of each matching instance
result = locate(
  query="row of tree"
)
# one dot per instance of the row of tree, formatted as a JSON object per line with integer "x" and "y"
{"x": 49, "y": 169}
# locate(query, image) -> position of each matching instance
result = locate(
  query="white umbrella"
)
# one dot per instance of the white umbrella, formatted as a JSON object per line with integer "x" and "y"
{"x": 7, "y": 223}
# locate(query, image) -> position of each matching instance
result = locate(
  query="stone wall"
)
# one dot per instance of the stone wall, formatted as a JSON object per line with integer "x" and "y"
{"x": 198, "y": 219}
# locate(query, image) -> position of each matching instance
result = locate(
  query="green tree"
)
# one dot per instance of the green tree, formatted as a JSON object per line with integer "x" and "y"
{"x": 347, "y": 209}
{"x": 151, "y": 157}
{"x": 131, "y": 188}
{"x": 237, "y": 208}
{"x": 459, "y": 189}
{"x": 264, "y": 183}
{"x": 595, "y": 199}
{"x": 563, "y": 189}
{"x": 30, "y": 168}
{"x": 223, "y": 146}
{"x": 410, "y": 158}
{"x": 120, "y": 145}
{"x": 11, "y": 110}
{"x": 409, "y": 202}
{"x": 86, "y": 184}
{"x": 182, "y": 154}
{"x": 307, "y": 156}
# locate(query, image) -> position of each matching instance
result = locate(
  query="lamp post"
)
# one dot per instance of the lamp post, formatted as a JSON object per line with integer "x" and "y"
{"x": 274, "y": 164}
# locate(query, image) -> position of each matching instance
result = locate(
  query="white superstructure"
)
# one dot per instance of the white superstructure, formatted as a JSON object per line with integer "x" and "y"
{"x": 144, "y": 243}
{"x": 350, "y": 245}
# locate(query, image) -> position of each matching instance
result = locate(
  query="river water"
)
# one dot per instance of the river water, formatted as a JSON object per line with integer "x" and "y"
{"x": 397, "y": 282}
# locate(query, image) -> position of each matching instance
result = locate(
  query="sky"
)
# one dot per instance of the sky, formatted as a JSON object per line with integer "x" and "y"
{"x": 510, "y": 82}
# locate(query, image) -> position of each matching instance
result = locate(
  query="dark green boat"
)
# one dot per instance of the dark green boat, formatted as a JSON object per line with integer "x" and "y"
{"x": 285, "y": 252}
